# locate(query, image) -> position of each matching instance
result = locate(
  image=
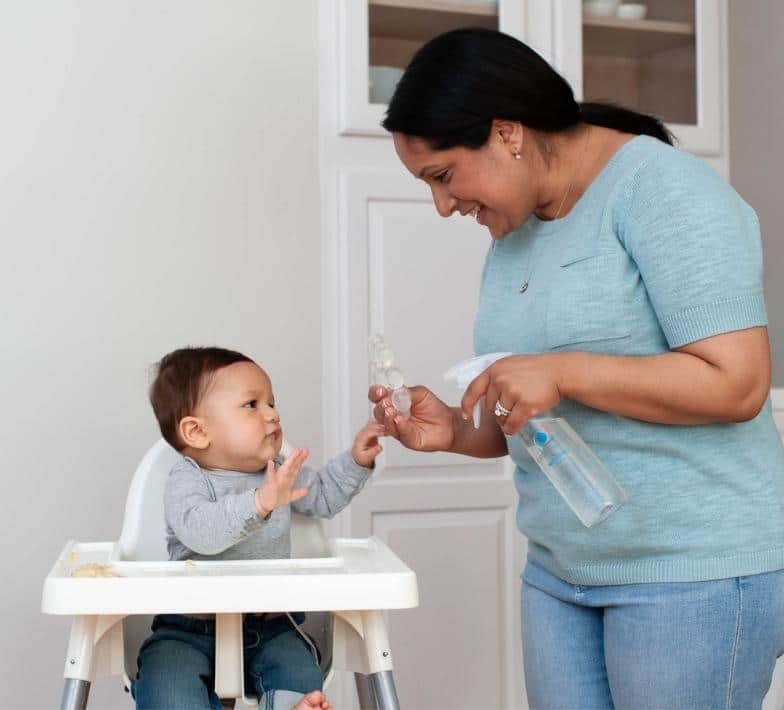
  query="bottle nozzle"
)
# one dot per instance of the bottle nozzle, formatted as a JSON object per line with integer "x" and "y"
{"x": 465, "y": 372}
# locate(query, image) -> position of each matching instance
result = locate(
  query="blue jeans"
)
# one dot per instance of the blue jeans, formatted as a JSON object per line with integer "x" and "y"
{"x": 177, "y": 663}
{"x": 675, "y": 646}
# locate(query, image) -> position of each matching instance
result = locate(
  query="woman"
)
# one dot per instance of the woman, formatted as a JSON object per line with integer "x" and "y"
{"x": 630, "y": 275}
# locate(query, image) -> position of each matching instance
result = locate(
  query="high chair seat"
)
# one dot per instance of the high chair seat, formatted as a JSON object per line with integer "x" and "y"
{"x": 352, "y": 579}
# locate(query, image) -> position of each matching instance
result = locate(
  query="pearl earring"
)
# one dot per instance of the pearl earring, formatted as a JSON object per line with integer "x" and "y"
{"x": 516, "y": 154}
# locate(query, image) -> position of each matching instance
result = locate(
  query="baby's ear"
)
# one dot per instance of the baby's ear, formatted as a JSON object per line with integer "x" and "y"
{"x": 193, "y": 433}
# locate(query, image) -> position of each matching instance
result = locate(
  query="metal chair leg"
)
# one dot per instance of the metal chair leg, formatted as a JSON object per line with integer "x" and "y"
{"x": 79, "y": 662}
{"x": 365, "y": 693}
{"x": 384, "y": 689}
{"x": 75, "y": 694}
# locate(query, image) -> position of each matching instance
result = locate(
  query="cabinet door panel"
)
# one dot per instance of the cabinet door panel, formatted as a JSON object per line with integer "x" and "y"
{"x": 406, "y": 273}
{"x": 377, "y": 38}
{"x": 669, "y": 63}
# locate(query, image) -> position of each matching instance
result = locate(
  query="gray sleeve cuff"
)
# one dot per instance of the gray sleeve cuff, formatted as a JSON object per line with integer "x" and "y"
{"x": 347, "y": 463}
{"x": 246, "y": 510}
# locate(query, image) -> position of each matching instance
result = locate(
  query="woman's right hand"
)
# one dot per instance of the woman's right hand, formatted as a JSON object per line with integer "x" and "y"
{"x": 430, "y": 425}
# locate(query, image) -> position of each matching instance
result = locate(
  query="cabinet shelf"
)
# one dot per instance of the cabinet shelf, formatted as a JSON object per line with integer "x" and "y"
{"x": 615, "y": 37}
{"x": 420, "y": 21}
{"x": 464, "y": 8}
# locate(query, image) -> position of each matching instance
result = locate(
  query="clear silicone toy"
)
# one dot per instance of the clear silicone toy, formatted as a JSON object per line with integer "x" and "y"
{"x": 381, "y": 362}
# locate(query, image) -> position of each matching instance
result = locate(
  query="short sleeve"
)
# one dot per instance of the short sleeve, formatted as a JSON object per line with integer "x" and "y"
{"x": 697, "y": 246}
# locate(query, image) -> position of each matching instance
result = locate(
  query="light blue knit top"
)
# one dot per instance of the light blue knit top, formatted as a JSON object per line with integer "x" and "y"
{"x": 659, "y": 252}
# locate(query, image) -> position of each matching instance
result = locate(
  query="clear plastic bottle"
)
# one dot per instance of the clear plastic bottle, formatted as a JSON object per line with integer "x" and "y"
{"x": 577, "y": 473}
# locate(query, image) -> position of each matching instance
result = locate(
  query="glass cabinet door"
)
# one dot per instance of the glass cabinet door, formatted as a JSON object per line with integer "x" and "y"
{"x": 377, "y": 38}
{"x": 661, "y": 57}
{"x": 397, "y": 28}
{"x": 642, "y": 56}
{"x": 664, "y": 57}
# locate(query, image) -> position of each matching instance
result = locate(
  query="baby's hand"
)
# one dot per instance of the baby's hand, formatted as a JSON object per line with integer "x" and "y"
{"x": 366, "y": 446}
{"x": 277, "y": 487}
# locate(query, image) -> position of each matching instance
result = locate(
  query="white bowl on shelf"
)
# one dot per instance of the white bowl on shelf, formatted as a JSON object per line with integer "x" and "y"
{"x": 382, "y": 81}
{"x": 632, "y": 11}
{"x": 600, "y": 8}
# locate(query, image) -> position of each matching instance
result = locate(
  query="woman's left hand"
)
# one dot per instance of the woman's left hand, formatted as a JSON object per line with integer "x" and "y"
{"x": 526, "y": 385}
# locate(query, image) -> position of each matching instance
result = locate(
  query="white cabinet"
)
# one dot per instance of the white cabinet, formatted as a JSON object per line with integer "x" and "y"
{"x": 378, "y": 37}
{"x": 670, "y": 63}
{"x": 392, "y": 265}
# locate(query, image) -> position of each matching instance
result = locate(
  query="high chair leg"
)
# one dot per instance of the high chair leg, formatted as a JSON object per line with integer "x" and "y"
{"x": 376, "y": 691}
{"x": 229, "y": 680}
{"x": 79, "y": 663}
{"x": 379, "y": 660}
{"x": 367, "y": 698}
{"x": 384, "y": 690}
{"x": 75, "y": 694}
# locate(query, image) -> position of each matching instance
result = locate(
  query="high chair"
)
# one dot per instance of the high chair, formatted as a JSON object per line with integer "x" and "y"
{"x": 353, "y": 580}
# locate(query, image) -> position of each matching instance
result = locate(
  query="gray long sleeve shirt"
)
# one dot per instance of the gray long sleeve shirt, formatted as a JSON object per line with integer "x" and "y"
{"x": 211, "y": 514}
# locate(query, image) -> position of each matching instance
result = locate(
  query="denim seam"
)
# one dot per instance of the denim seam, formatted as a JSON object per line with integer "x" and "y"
{"x": 253, "y": 645}
{"x": 736, "y": 643}
{"x": 263, "y": 692}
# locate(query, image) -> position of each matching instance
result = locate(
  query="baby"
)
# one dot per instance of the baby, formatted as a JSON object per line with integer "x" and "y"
{"x": 230, "y": 498}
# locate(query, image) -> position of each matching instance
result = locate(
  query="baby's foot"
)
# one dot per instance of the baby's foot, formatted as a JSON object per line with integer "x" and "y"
{"x": 315, "y": 699}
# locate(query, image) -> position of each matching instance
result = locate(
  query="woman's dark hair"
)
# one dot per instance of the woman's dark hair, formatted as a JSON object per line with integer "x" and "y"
{"x": 458, "y": 82}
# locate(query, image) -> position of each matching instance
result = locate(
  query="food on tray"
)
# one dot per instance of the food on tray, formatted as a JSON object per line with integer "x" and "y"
{"x": 93, "y": 569}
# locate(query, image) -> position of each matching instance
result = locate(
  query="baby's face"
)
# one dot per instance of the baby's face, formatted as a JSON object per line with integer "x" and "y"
{"x": 243, "y": 426}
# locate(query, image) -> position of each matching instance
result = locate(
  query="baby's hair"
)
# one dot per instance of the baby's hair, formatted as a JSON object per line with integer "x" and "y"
{"x": 181, "y": 379}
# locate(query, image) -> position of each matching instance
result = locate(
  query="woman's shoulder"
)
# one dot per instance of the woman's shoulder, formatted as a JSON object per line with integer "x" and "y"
{"x": 662, "y": 178}
{"x": 651, "y": 161}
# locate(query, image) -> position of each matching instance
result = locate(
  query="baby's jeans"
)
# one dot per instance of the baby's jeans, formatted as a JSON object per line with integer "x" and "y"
{"x": 177, "y": 663}
{"x": 675, "y": 646}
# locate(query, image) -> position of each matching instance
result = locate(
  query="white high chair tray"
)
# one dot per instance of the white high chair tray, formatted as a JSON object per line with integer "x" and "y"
{"x": 358, "y": 574}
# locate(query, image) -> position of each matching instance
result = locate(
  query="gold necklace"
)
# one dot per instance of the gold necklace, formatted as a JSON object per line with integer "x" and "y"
{"x": 524, "y": 285}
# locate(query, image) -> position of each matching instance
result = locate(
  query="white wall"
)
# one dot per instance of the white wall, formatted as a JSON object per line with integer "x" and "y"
{"x": 158, "y": 186}
{"x": 756, "y": 66}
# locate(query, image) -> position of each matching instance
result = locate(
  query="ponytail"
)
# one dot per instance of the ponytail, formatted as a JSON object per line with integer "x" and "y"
{"x": 459, "y": 82}
{"x": 623, "y": 119}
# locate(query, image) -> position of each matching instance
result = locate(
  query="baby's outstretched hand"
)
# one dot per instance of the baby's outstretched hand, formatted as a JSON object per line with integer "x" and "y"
{"x": 277, "y": 489}
{"x": 366, "y": 446}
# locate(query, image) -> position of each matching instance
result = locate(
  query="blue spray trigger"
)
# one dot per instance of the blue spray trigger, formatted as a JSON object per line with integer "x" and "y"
{"x": 541, "y": 438}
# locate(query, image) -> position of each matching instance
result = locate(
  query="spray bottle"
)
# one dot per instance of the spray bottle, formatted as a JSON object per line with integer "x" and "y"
{"x": 576, "y": 472}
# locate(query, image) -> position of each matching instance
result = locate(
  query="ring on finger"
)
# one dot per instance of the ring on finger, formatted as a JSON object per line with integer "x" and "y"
{"x": 500, "y": 410}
